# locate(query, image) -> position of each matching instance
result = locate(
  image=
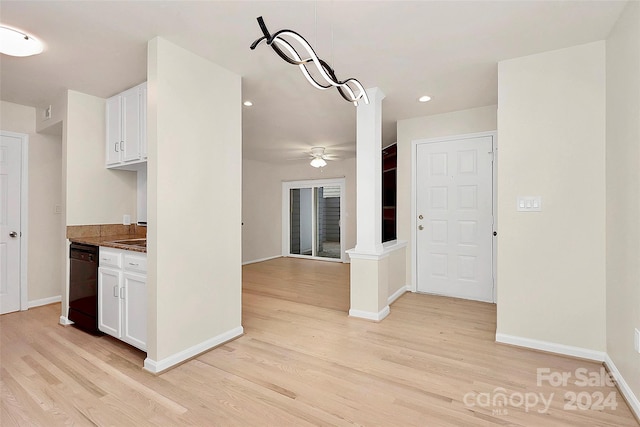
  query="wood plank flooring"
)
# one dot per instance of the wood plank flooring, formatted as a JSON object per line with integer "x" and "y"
{"x": 301, "y": 362}
{"x": 319, "y": 283}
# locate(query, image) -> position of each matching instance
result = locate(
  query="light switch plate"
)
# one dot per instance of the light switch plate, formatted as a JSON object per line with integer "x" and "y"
{"x": 529, "y": 203}
{"x": 636, "y": 340}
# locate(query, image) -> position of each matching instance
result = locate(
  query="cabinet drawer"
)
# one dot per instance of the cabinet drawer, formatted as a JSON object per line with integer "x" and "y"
{"x": 110, "y": 258}
{"x": 135, "y": 263}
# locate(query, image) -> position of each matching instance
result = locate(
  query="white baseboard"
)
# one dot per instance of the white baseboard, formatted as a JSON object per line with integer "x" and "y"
{"x": 175, "y": 359}
{"x": 64, "y": 321}
{"x": 567, "y": 350}
{"x": 44, "y": 301}
{"x": 397, "y": 294}
{"x": 631, "y": 398}
{"x": 261, "y": 259}
{"x": 368, "y": 315}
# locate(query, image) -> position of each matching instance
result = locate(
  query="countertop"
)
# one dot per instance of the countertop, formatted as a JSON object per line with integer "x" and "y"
{"x": 107, "y": 234}
{"x": 108, "y": 241}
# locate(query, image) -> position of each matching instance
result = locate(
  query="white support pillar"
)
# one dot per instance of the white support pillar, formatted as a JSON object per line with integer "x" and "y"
{"x": 369, "y": 263}
{"x": 369, "y": 174}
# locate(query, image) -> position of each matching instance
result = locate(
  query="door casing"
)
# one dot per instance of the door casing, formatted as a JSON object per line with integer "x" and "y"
{"x": 24, "y": 213}
{"x": 414, "y": 225}
{"x": 286, "y": 229}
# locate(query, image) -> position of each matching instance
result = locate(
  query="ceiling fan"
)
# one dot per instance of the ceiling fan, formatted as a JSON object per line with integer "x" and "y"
{"x": 334, "y": 151}
{"x": 318, "y": 158}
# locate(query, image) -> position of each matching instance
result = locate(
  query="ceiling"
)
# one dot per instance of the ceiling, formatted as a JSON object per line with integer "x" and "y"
{"x": 446, "y": 49}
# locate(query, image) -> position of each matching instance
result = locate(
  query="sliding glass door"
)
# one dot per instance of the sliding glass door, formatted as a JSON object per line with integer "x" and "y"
{"x": 300, "y": 225}
{"x": 312, "y": 219}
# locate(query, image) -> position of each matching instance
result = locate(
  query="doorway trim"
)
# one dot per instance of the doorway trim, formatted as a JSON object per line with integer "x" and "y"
{"x": 286, "y": 227}
{"x": 24, "y": 214}
{"x": 414, "y": 243}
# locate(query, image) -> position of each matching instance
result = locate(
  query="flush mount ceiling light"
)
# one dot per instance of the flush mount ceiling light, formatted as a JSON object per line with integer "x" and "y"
{"x": 280, "y": 42}
{"x": 318, "y": 160}
{"x": 17, "y": 43}
{"x": 424, "y": 98}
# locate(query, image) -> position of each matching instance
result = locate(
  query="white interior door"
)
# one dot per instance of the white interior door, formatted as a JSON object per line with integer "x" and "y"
{"x": 10, "y": 176}
{"x": 454, "y": 224}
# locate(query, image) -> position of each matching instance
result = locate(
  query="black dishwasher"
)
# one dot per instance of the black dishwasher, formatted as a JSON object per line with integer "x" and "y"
{"x": 83, "y": 287}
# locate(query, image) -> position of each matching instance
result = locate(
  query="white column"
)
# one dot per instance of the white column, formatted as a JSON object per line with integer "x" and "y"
{"x": 369, "y": 174}
{"x": 369, "y": 264}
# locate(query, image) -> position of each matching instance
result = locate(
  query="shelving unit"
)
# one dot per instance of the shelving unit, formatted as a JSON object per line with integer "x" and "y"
{"x": 389, "y": 166}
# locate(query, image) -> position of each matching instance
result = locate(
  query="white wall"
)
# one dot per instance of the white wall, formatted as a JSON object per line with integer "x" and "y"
{"x": 94, "y": 194}
{"x": 58, "y": 114}
{"x": 262, "y": 202}
{"x": 551, "y": 138}
{"x": 474, "y": 120}
{"x": 194, "y": 202}
{"x": 623, "y": 194}
{"x": 46, "y": 228}
{"x": 397, "y": 275}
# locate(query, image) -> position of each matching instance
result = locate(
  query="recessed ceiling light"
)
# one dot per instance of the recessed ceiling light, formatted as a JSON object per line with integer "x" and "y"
{"x": 424, "y": 98}
{"x": 16, "y": 43}
{"x": 247, "y": 103}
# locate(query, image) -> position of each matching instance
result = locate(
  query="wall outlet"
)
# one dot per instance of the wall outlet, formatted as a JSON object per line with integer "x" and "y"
{"x": 126, "y": 219}
{"x": 636, "y": 340}
{"x": 57, "y": 209}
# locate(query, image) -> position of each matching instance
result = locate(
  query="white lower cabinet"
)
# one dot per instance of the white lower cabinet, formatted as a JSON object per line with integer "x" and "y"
{"x": 134, "y": 310}
{"x": 122, "y": 295}
{"x": 109, "y": 305}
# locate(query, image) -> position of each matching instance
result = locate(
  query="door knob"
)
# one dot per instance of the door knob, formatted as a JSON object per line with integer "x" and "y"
{"x": 13, "y": 234}
{"x": 420, "y": 227}
{"x": 420, "y": 217}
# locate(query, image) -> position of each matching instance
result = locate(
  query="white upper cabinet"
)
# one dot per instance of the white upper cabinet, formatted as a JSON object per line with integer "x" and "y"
{"x": 126, "y": 119}
{"x": 114, "y": 134}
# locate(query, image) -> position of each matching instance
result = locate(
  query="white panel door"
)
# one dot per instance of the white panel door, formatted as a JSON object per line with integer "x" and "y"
{"x": 10, "y": 176}
{"x": 454, "y": 208}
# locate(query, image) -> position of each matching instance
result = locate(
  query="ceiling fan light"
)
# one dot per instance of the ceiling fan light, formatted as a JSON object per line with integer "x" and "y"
{"x": 17, "y": 43}
{"x": 318, "y": 162}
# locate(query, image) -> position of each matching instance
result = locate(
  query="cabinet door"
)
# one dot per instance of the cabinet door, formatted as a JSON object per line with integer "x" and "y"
{"x": 114, "y": 127}
{"x": 131, "y": 124}
{"x": 109, "y": 306}
{"x": 134, "y": 328}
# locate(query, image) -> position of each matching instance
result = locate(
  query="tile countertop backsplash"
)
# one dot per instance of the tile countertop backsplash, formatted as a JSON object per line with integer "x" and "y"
{"x": 105, "y": 234}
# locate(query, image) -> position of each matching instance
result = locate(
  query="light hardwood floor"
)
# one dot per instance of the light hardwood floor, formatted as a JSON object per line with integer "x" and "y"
{"x": 320, "y": 283}
{"x": 299, "y": 363}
